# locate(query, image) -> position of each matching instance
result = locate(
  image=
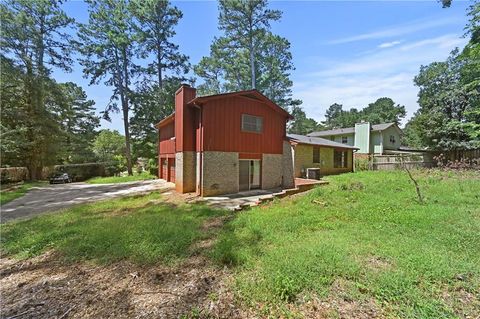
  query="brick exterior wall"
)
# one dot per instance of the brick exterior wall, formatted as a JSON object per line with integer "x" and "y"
{"x": 272, "y": 171}
{"x": 303, "y": 157}
{"x": 220, "y": 173}
{"x": 185, "y": 172}
{"x": 287, "y": 166}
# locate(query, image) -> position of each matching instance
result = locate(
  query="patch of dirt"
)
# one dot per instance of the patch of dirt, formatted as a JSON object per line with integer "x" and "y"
{"x": 340, "y": 304}
{"x": 45, "y": 288}
{"x": 465, "y": 303}
{"x": 214, "y": 224}
{"x": 376, "y": 263}
{"x": 341, "y": 308}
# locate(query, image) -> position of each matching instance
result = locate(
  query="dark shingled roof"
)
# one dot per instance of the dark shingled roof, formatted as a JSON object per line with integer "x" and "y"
{"x": 350, "y": 130}
{"x": 302, "y": 139}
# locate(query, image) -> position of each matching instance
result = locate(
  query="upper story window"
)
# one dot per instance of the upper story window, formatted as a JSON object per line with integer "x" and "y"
{"x": 344, "y": 140}
{"x": 316, "y": 154}
{"x": 251, "y": 123}
{"x": 392, "y": 139}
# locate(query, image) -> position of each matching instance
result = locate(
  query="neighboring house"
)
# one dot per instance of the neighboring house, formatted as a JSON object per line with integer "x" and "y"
{"x": 225, "y": 143}
{"x": 369, "y": 139}
{"x": 315, "y": 152}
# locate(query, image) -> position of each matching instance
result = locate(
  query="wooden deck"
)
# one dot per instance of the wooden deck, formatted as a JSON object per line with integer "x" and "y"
{"x": 306, "y": 181}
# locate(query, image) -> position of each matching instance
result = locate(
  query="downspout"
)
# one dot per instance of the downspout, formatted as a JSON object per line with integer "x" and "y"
{"x": 200, "y": 177}
{"x": 381, "y": 142}
{"x": 200, "y": 151}
{"x": 353, "y": 160}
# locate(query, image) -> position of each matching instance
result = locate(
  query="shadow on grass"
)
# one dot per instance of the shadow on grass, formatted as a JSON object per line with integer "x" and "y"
{"x": 142, "y": 229}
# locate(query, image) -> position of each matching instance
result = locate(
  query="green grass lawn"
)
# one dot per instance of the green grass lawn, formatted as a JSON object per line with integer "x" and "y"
{"x": 142, "y": 229}
{"x": 7, "y": 195}
{"x": 364, "y": 237}
{"x": 367, "y": 234}
{"x": 121, "y": 179}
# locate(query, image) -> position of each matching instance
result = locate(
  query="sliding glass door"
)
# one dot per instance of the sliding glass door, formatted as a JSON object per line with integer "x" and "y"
{"x": 249, "y": 174}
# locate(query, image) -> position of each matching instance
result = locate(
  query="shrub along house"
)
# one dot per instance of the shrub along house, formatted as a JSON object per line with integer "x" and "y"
{"x": 314, "y": 157}
{"x": 225, "y": 143}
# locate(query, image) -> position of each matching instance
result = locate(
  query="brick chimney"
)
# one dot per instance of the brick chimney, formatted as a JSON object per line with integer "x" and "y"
{"x": 185, "y": 155}
{"x": 184, "y": 119}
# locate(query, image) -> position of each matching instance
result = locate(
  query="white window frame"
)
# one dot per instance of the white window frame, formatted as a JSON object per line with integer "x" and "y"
{"x": 346, "y": 140}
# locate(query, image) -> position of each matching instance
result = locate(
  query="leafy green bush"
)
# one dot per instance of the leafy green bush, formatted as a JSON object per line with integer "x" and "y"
{"x": 78, "y": 172}
{"x": 361, "y": 164}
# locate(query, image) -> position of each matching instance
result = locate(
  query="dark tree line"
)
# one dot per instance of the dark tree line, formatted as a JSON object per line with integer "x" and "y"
{"x": 383, "y": 110}
{"x": 126, "y": 45}
{"x": 449, "y": 97}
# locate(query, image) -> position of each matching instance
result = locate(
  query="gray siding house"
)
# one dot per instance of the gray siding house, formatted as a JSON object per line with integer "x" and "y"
{"x": 369, "y": 139}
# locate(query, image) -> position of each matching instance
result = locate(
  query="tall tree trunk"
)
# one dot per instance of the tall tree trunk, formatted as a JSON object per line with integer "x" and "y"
{"x": 32, "y": 99}
{"x": 126, "y": 126}
{"x": 252, "y": 65}
{"x": 159, "y": 63}
{"x": 125, "y": 109}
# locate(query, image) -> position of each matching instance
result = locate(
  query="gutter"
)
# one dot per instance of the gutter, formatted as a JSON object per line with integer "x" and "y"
{"x": 200, "y": 151}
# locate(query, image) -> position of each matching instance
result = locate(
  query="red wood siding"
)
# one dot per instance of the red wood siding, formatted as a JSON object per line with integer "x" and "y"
{"x": 221, "y": 122}
{"x": 250, "y": 156}
{"x": 166, "y": 144}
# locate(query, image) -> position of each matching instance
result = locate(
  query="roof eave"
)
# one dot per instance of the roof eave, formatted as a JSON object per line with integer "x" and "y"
{"x": 199, "y": 101}
{"x": 165, "y": 121}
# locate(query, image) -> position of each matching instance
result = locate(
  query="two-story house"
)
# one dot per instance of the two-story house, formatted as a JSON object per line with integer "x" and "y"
{"x": 369, "y": 139}
{"x": 225, "y": 143}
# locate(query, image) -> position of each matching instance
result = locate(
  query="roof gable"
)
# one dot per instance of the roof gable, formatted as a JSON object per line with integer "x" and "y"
{"x": 165, "y": 121}
{"x": 250, "y": 94}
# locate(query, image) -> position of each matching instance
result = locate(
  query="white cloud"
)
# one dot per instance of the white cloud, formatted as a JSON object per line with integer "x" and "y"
{"x": 389, "y": 44}
{"x": 386, "y": 72}
{"x": 399, "y": 30}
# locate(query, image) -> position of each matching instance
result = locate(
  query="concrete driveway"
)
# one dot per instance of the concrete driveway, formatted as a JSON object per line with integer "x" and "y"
{"x": 54, "y": 197}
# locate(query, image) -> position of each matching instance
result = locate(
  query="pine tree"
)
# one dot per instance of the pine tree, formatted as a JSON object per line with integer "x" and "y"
{"x": 248, "y": 55}
{"x": 34, "y": 40}
{"x": 108, "y": 47}
{"x": 154, "y": 97}
{"x": 78, "y": 123}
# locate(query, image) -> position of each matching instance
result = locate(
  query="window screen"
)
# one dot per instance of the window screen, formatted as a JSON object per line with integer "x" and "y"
{"x": 252, "y": 123}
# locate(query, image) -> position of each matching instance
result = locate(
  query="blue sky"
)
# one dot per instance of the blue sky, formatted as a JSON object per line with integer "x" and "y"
{"x": 349, "y": 52}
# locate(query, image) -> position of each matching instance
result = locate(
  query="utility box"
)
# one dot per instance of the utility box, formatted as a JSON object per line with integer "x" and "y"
{"x": 313, "y": 173}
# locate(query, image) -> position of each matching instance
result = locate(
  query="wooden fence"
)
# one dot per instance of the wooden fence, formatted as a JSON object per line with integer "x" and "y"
{"x": 415, "y": 160}
{"x": 458, "y": 155}
{"x": 396, "y": 161}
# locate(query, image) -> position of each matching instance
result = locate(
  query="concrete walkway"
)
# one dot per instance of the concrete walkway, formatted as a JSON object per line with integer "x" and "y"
{"x": 54, "y": 197}
{"x": 253, "y": 198}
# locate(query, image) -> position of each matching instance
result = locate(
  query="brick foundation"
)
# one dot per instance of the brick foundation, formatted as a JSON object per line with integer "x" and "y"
{"x": 219, "y": 173}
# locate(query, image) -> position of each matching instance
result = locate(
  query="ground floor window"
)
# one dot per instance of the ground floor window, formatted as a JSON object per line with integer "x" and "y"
{"x": 316, "y": 154}
{"x": 340, "y": 159}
